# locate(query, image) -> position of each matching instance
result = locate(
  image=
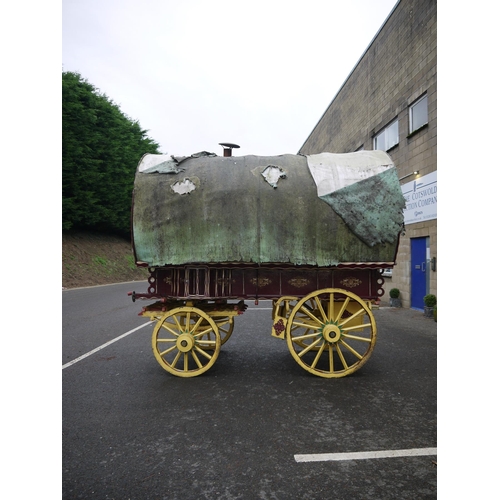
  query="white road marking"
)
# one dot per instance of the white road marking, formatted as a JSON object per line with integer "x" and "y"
{"x": 363, "y": 455}
{"x": 104, "y": 345}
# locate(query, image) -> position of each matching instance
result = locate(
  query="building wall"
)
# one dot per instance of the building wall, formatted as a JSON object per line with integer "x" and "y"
{"x": 398, "y": 67}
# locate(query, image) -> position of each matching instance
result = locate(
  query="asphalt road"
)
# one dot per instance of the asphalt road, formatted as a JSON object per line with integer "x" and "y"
{"x": 133, "y": 431}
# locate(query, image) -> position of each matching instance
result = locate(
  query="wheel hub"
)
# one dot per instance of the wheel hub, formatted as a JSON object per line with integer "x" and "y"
{"x": 185, "y": 342}
{"x": 331, "y": 333}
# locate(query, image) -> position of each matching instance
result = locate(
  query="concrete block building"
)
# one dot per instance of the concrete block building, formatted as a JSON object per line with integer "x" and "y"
{"x": 389, "y": 102}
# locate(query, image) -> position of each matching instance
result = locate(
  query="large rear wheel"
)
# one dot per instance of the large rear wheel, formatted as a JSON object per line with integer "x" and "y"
{"x": 331, "y": 333}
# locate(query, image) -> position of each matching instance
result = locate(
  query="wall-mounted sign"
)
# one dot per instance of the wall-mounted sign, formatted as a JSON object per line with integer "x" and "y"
{"x": 421, "y": 199}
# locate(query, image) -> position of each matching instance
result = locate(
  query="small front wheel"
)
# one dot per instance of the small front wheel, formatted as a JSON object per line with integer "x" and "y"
{"x": 186, "y": 341}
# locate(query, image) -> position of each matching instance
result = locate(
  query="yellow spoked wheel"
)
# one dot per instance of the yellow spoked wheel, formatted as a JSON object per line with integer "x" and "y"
{"x": 331, "y": 333}
{"x": 186, "y": 341}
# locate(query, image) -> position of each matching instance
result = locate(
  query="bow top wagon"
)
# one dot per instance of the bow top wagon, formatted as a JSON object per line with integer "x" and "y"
{"x": 312, "y": 233}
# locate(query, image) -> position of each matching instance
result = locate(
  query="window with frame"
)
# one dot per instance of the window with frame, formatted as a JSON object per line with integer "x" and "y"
{"x": 418, "y": 114}
{"x": 387, "y": 137}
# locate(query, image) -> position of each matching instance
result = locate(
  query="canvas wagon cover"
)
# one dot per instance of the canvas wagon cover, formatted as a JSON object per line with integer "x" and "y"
{"x": 318, "y": 210}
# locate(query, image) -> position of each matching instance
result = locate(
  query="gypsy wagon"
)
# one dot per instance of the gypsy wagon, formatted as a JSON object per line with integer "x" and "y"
{"x": 312, "y": 233}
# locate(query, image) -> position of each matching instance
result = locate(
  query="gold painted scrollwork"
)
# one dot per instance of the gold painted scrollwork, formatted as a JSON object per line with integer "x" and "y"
{"x": 351, "y": 282}
{"x": 260, "y": 282}
{"x": 299, "y": 282}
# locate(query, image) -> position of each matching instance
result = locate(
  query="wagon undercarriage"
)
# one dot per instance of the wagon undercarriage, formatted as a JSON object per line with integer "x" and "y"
{"x": 330, "y": 331}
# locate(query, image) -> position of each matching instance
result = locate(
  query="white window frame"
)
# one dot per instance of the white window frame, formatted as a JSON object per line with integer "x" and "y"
{"x": 385, "y": 136}
{"x": 411, "y": 127}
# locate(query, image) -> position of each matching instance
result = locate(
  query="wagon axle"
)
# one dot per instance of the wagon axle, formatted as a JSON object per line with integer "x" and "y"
{"x": 331, "y": 333}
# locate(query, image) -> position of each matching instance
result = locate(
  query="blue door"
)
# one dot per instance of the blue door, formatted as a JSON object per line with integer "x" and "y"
{"x": 419, "y": 251}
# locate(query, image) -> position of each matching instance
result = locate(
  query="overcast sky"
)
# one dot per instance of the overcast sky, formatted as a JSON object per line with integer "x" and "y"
{"x": 196, "y": 73}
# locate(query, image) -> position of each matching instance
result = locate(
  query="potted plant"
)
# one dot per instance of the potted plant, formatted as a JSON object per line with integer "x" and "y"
{"x": 430, "y": 302}
{"x": 395, "y": 300}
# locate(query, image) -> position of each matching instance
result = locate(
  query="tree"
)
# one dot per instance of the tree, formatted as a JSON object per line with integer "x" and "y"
{"x": 101, "y": 148}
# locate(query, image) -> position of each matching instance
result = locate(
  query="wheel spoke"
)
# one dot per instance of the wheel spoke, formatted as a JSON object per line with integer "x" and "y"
{"x": 207, "y": 331}
{"x": 311, "y": 315}
{"x": 195, "y": 357}
{"x": 227, "y": 323}
{"x": 341, "y": 356}
{"x": 207, "y": 343}
{"x": 330, "y": 358}
{"x": 356, "y": 353}
{"x": 342, "y": 309}
{"x": 350, "y": 318}
{"x": 330, "y": 308}
{"x": 356, "y": 327}
{"x": 320, "y": 308}
{"x": 178, "y": 324}
{"x": 308, "y": 326}
{"x": 225, "y": 327}
{"x": 201, "y": 351}
{"x": 196, "y": 326}
{"x": 174, "y": 362}
{"x": 296, "y": 326}
{"x": 306, "y": 332}
{"x": 355, "y": 337}
{"x": 310, "y": 346}
{"x": 225, "y": 331}
{"x": 166, "y": 326}
{"x": 166, "y": 351}
{"x": 318, "y": 355}
{"x": 307, "y": 336}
